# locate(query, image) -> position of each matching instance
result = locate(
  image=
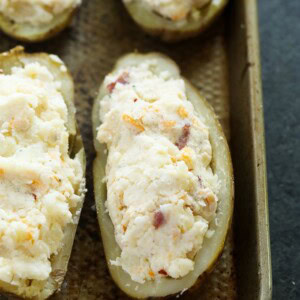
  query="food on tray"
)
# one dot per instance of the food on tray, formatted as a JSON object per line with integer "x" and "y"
{"x": 174, "y": 20}
{"x": 165, "y": 161}
{"x": 42, "y": 166}
{"x": 35, "y": 20}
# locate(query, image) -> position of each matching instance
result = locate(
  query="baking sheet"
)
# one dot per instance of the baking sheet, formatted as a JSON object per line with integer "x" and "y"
{"x": 100, "y": 33}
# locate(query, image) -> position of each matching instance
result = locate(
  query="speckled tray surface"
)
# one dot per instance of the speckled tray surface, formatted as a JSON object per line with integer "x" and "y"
{"x": 100, "y": 33}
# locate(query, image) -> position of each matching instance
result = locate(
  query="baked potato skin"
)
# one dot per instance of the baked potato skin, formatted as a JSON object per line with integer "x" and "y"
{"x": 168, "y": 30}
{"x": 33, "y": 34}
{"x": 111, "y": 248}
{"x": 60, "y": 261}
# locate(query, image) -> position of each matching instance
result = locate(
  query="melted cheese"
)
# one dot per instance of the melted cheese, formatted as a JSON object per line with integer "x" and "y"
{"x": 161, "y": 191}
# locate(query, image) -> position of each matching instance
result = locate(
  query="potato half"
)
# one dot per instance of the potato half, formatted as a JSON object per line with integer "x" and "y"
{"x": 169, "y": 30}
{"x": 59, "y": 262}
{"x": 36, "y": 33}
{"x": 221, "y": 165}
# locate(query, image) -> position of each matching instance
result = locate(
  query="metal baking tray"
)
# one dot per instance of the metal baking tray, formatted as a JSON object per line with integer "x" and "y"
{"x": 224, "y": 64}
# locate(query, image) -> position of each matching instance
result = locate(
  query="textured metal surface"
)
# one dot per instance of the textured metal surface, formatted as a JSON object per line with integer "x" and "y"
{"x": 100, "y": 33}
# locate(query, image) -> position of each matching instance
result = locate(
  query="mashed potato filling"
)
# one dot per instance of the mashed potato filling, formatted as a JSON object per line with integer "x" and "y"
{"x": 175, "y": 10}
{"x": 161, "y": 190}
{"x": 35, "y": 12}
{"x": 39, "y": 182}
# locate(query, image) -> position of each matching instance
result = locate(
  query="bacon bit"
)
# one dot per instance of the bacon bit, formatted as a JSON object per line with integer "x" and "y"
{"x": 124, "y": 228}
{"x": 162, "y": 272}
{"x": 35, "y": 197}
{"x": 123, "y": 78}
{"x": 151, "y": 274}
{"x": 182, "y": 112}
{"x": 134, "y": 100}
{"x": 111, "y": 86}
{"x": 200, "y": 180}
{"x": 183, "y": 139}
{"x": 169, "y": 124}
{"x": 132, "y": 121}
{"x": 159, "y": 219}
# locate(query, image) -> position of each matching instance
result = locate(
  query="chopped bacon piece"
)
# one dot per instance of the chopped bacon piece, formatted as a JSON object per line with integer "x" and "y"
{"x": 34, "y": 196}
{"x": 159, "y": 219}
{"x": 162, "y": 272}
{"x": 134, "y": 100}
{"x": 183, "y": 139}
{"x": 123, "y": 78}
{"x": 111, "y": 86}
{"x": 200, "y": 180}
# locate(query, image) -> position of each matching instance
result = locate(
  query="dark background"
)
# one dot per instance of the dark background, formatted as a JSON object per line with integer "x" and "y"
{"x": 280, "y": 56}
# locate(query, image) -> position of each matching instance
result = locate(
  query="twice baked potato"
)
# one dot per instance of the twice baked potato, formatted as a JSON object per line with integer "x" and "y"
{"x": 177, "y": 27}
{"x": 36, "y": 32}
{"x": 158, "y": 285}
{"x": 57, "y": 212}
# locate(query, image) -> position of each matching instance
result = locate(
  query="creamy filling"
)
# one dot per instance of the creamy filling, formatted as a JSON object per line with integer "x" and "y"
{"x": 161, "y": 191}
{"x": 35, "y": 12}
{"x": 176, "y": 10}
{"x": 39, "y": 183}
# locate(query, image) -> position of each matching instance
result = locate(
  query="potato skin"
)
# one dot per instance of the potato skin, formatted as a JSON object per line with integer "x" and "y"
{"x": 59, "y": 262}
{"x": 167, "y": 30}
{"x": 33, "y": 34}
{"x": 106, "y": 227}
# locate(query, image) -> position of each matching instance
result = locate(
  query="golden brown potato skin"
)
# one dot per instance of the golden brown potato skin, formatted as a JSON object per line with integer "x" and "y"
{"x": 60, "y": 261}
{"x": 34, "y": 34}
{"x": 168, "y": 30}
{"x": 221, "y": 160}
